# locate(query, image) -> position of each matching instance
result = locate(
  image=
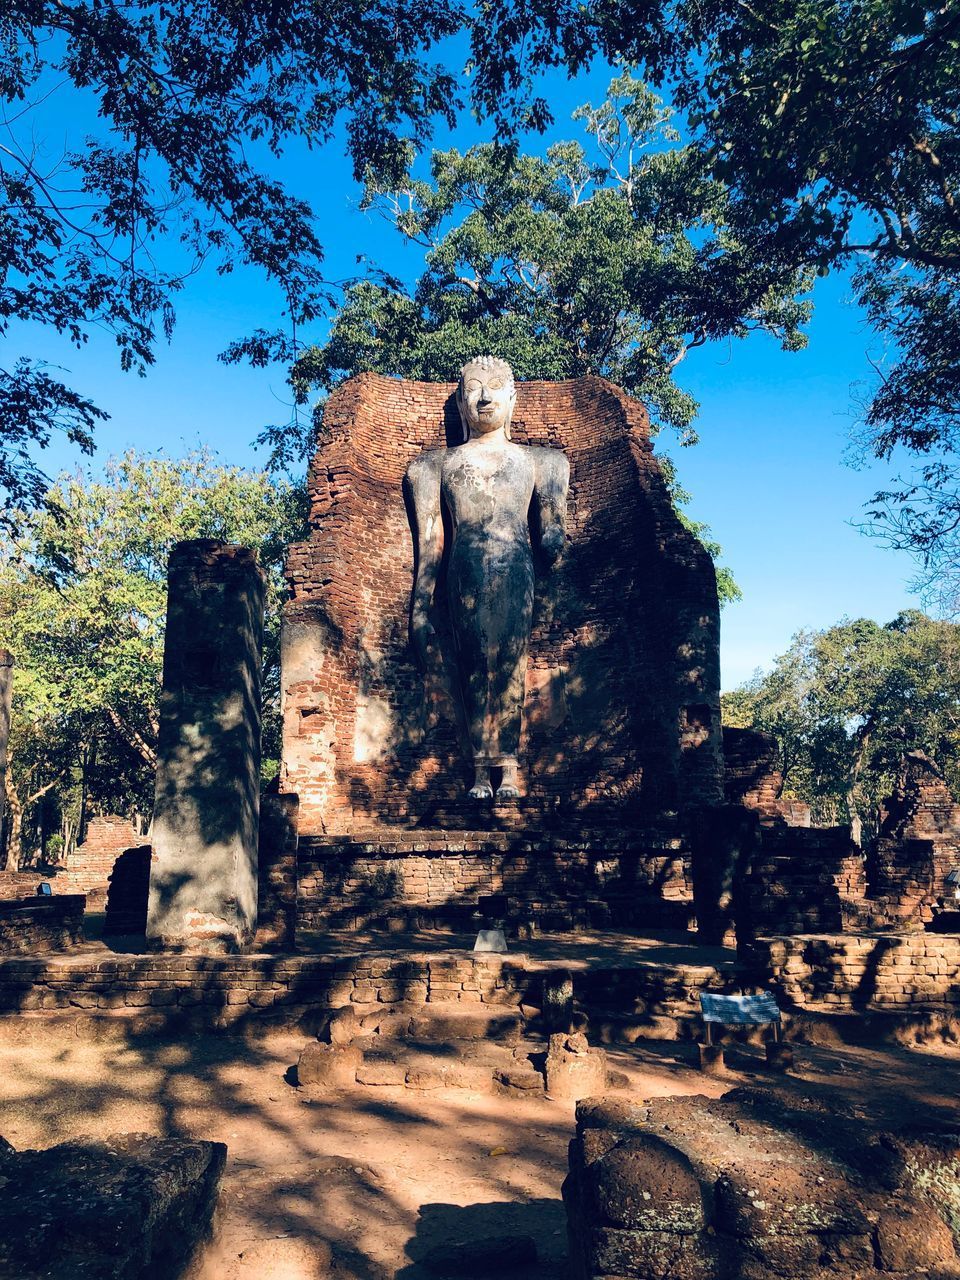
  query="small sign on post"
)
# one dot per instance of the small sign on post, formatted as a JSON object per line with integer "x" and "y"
{"x": 742, "y": 1011}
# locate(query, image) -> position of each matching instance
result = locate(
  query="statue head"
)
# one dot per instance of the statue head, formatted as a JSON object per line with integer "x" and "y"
{"x": 485, "y": 396}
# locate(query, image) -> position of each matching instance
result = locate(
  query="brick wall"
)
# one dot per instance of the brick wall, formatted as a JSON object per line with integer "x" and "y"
{"x": 800, "y": 880}
{"x": 917, "y": 844}
{"x": 33, "y": 926}
{"x": 839, "y": 974}
{"x": 277, "y": 872}
{"x": 89, "y": 865}
{"x": 126, "y": 906}
{"x": 23, "y": 884}
{"x": 239, "y": 991}
{"x": 430, "y": 879}
{"x": 752, "y": 777}
{"x": 622, "y": 708}
{"x": 289, "y": 990}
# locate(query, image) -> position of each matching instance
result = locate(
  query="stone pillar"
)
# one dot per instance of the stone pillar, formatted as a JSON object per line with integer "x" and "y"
{"x": 203, "y": 874}
{"x": 6, "y": 696}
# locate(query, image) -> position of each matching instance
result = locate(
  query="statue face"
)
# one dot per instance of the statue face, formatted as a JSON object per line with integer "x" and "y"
{"x": 486, "y": 400}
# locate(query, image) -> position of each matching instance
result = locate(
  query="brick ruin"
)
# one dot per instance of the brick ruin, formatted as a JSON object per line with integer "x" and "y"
{"x": 622, "y": 720}
{"x": 755, "y": 1185}
{"x": 621, "y": 717}
{"x": 917, "y": 845}
{"x": 89, "y": 866}
{"x": 752, "y": 777}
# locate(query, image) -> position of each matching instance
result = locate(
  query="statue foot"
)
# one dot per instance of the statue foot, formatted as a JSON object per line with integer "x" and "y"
{"x": 507, "y": 791}
{"x": 481, "y": 791}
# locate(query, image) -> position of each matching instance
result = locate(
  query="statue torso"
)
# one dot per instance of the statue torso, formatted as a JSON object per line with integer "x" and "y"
{"x": 488, "y": 490}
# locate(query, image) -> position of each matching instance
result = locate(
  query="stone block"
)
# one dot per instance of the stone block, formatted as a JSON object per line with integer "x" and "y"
{"x": 779, "y": 1055}
{"x": 573, "y": 1069}
{"x": 645, "y": 1184}
{"x": 911, "y": 1237}
{"x": 381, "y": 1071}
{"x": 121, "y": 1209}
{"x": 652, "y": 1255}
{"x": 343, "y": 1026}
{"x": 711, "y": 1059}
{"x": 328, "y": 1066}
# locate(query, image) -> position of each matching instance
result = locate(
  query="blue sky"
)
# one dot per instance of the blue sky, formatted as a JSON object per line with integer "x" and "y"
{"x": 768, "y": 475}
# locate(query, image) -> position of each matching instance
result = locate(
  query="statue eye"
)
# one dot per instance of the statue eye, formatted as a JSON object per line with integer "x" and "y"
{"x": 472, "y": 384}
{"x": 495, "y": 384}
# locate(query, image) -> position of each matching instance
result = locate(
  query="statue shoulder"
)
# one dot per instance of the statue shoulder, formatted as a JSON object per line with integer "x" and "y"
{"x": 426, "y": 466}
{"x": 550, "y": 463}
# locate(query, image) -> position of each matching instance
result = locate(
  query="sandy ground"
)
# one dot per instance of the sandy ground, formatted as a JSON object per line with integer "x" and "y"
{"x": 361, "y": 1183}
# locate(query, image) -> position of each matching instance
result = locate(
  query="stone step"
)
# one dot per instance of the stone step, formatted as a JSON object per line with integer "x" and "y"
{"x": 424, "y": 1022}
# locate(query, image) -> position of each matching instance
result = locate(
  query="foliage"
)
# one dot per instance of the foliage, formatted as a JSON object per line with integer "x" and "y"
{"x": 615, "y": 261}
{"x": 188, "y": 95}
{"x": 836, "y": 129}
{"x": 845, "y": 704}
{"x": 83, "y": 604}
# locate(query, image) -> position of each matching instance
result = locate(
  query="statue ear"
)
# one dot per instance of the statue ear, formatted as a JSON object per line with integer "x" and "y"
{"x": 463, "y": 416}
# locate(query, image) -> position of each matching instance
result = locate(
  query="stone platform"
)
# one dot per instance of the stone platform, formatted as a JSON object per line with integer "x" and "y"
{"x": 401, "y": 879}
{"x": 624, "y": 987}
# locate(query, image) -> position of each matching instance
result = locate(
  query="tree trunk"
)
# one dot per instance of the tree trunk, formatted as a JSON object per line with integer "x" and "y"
{"x": 133, "y": 738}
{"x": 13, "y": 825}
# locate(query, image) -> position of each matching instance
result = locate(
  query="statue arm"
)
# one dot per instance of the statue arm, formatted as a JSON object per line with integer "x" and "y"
{"x": 551, "y": 485}
{"x": 423, "y": 483}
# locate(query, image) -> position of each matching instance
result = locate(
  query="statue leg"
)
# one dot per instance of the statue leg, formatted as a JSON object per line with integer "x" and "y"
{"x": 491, "y": 606}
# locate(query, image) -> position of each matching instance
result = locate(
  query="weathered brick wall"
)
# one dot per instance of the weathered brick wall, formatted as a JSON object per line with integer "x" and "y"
{"x": 429, "y": 879}
{"x": 751, "y": 770}
{"x": 89, "y": 865}
{"x": 801, "y": 880}
{"x": 837, "y": 974}
{"x": 917, "y": 845}
{"x": 288, "y": 990}
{"x": 23, "y": 884}
{"x": 752, "y": 777}
{"x": 237, "y": 991}
{"x": 33, "y": 926}
{"x": 622, "y": 708}
{"x": 128, "y": 891}
{"x": 277, "y": 873}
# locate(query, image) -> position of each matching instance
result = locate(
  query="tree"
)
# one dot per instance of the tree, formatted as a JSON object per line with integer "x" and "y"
{"x": 617, "y": 261}
{"x": 83, "y": 605}
{"x": 846, "y": 703}
{"x": 189, "y": 95}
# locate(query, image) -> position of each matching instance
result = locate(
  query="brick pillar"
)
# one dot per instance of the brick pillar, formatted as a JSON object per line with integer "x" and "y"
{"x": 6, "y": 695}
{"x": 203, "y": 874}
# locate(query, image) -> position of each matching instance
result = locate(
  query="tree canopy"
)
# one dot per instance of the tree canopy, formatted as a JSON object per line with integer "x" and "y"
{"x": 835, "y": 128}
{"x": 83, "y": 607}
{"x": 192, "y": 98}
{"x": 821, "y": 135}
{"x": 846, "y": 703}
{"x": 617, "y": 260}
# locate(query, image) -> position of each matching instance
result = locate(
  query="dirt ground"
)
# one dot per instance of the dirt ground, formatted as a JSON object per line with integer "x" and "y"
{"x": 362, "y": 1183}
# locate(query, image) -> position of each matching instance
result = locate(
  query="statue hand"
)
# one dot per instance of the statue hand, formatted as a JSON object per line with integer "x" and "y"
{"x": 551, "y": 544}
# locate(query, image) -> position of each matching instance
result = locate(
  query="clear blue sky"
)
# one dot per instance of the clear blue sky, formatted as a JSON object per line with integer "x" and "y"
{"x": 768, "y": 476}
